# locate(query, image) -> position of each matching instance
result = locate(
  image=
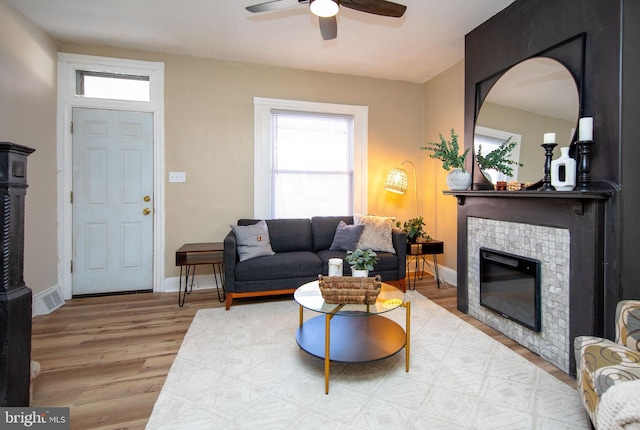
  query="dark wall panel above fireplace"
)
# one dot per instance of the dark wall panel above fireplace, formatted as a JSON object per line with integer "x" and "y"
{"x": 610, "y": 93}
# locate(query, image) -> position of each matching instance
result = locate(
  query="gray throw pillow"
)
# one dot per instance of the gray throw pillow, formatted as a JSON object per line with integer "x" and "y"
{"x": 346, "y": 237}
{"x": 253, "y": 240}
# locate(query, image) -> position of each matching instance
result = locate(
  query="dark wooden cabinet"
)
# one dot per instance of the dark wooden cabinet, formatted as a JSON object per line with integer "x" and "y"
{"x": 15, "y": 296}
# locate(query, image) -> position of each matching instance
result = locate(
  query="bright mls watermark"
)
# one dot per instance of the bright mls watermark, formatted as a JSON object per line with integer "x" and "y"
{"x": 34, "y": 418}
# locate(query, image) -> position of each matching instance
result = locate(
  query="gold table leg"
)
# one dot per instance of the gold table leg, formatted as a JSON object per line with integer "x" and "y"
{"x": 301, "y": 315}
{"x": 327, "y": 346}
{"x": 407, "y": 345}
{"x": 327, "y": 356}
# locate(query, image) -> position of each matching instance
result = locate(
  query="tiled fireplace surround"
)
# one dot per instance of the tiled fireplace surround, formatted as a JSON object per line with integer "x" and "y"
{"x": 551, "y": 247}
{"x": 565, "y": 231}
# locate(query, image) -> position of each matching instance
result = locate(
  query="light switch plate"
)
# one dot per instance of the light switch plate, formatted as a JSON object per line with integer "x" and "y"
{"x": 177, "y": 177}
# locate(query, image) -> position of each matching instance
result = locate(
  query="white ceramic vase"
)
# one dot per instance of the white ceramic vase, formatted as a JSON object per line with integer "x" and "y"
{"x": 569, "y": 165}
{"x": 458, "y": 180}
{"x": 356, "y": 273}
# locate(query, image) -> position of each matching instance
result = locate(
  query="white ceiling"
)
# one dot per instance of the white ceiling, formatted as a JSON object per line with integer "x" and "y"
{"x": 426, "y": 41}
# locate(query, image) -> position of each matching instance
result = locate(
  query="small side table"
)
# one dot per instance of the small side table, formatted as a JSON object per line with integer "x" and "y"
{"x": 191, "y": 255}
{"x": 418, "y": 252}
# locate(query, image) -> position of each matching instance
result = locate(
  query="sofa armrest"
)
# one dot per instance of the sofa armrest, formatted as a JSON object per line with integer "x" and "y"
{"x": 230, "y": 258}
{"x": 399, "y": 239}
{"x": 628, "y": 324}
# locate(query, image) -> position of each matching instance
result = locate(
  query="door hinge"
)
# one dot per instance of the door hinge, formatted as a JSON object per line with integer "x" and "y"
{"x": 71, "y": 197}
{"x": 71, "y": 127}
{"x": 71, "y": 266}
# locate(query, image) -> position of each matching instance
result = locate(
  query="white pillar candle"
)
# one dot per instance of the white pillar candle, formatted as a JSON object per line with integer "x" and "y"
{"x": 335, "y": 267}
{"x": 549, "y": 138}
{"x": 585, "y": 129}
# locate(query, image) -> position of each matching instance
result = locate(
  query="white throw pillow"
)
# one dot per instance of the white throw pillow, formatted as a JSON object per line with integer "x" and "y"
{"x": 253, "y": 240}
{"x": 619, "y": 407}
{"x": 377, "y": 233}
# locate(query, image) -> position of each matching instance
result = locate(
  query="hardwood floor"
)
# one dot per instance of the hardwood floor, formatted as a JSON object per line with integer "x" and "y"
{"x": 107, "y": 357}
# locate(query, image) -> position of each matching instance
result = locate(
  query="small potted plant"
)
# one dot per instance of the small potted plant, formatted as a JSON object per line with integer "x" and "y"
{"x": 413, "y": 228}
{"x": 448, "y": 152}
{"x": 361, "y": 261}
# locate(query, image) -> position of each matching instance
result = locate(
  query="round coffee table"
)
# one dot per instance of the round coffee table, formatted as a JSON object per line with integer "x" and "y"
{"x": 351, "y": 333}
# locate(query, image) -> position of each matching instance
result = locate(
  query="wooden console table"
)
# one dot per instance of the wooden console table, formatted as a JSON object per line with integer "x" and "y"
{"x": 418, "y": 252}
{"x": 191, "y": 255}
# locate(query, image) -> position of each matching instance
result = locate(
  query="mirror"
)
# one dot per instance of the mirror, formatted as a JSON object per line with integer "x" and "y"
{"x": 532, "y": 98}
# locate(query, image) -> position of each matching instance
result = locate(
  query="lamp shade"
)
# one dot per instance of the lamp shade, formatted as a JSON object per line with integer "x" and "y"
{"x": 396, "y": 181}
{"x": 324, "y": 8}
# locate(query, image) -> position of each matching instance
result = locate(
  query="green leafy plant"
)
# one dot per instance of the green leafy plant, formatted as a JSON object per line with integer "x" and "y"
{"x": 498, "y": 159}
{"x": 361, "y": 259}
{"x": 413, "y": 228}
{"x": 448, "y": 152}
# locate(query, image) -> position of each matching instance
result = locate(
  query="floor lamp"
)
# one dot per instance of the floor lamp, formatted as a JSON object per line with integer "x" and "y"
{"x": 397, "y": 181}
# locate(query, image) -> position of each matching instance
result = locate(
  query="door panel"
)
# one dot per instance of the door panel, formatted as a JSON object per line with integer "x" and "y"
{"x": 112, "y": 175}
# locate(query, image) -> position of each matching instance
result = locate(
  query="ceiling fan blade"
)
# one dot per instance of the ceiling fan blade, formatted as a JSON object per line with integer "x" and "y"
{"x": 275, "y": 5}
{"x": 328, "y": 27}
{"x": 376, "y": 7}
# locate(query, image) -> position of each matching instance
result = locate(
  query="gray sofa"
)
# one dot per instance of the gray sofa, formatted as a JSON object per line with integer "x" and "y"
{"x": 302, "y": 252}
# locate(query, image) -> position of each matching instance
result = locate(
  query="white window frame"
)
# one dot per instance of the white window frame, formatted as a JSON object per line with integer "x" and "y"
{"x": 263, "y": 148}
{"x": 67, "y": 100}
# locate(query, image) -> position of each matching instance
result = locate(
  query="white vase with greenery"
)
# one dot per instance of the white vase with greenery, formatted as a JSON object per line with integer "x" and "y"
{"x": 458, "y": 179}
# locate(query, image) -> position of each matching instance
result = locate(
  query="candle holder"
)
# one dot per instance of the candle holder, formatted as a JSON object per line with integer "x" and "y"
{"x": 584, "y": 165}
{"x": 548, "y": 153}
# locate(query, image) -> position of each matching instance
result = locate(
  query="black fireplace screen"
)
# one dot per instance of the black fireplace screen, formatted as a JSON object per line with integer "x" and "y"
{"x": 510, "y": 286}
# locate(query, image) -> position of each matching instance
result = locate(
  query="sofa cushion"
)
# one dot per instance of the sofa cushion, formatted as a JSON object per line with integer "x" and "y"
{"x": 346, "y": 237}
{"x": 253, "y": 240}
{"x": 323, "y": 229}
{"x": 376, "y": 234}
{"x": 279, "y": 266}
{"x": 287, "y": 235}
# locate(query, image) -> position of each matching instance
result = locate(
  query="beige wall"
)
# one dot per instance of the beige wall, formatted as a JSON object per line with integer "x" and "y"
{"x": 209, "y": 135}
{"x": 28, "y": 117}
{"x": 444, "y": 110}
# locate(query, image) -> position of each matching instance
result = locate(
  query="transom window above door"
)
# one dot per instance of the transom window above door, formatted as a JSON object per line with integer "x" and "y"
{"x": 114, "y": 86}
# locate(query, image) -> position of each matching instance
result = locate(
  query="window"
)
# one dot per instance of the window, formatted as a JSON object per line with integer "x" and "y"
{"x": 104, "y": 85}
{"x": 309, "y": 159}
{"x": 312, "y": 170}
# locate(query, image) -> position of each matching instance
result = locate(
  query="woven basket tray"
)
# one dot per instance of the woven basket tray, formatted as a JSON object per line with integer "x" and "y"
{"x": 338, "y": 290}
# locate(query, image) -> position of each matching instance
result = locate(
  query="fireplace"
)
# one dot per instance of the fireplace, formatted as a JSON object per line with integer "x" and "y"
{"x": 564, "y": 231}
{"x": 549, "y": 247}
{"x": 510, "y": 287}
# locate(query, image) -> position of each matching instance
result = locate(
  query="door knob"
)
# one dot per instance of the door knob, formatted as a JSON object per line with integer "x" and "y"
{"x": 146, "y": 211}
{"x": 147, "y": 198}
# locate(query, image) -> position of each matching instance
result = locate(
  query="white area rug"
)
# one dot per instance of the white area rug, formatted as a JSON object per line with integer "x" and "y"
{"x": 242, "y": 369}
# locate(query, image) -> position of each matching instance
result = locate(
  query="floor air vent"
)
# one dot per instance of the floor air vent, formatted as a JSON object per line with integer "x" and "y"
{"x": 49, "y": 301}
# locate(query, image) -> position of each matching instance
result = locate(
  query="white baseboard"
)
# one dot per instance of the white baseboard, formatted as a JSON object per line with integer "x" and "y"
{"x": 446, "y": 274}
{"x": 450, "y": 276}
{"x": 201, "y": 282}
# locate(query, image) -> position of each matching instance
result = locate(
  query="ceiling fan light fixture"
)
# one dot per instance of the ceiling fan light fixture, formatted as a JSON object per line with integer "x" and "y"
{"x": 324, "y": 8}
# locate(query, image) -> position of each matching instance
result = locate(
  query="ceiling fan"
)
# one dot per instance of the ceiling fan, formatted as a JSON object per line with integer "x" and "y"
{"x": 326, "y": 10}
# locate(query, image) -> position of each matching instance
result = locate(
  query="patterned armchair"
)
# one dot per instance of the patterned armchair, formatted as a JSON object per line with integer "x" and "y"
{"x": 601, "y": 363}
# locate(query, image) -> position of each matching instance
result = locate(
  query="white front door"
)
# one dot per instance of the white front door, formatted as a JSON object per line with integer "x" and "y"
{"x": 112, "y": 201}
